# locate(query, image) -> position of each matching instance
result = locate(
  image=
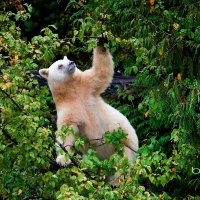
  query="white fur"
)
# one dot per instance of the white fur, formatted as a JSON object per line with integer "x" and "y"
{"x": 79, "y": 104}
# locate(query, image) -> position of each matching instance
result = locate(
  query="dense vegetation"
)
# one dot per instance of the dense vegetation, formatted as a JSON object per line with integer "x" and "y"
{"x": 156, "y": 41}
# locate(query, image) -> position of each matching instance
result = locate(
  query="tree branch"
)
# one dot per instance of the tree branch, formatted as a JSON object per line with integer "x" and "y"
{"x": 63, "y": 148}
{"x": 9, "y": 137}
{"x": 4, "y": 92}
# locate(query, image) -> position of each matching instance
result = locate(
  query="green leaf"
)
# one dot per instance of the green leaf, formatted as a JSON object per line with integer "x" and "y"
{"x": 38, "y": 51}
{"x": 88, "y": 185}
{"x": 135, "y": 69}
{"x": 53, "y": 26}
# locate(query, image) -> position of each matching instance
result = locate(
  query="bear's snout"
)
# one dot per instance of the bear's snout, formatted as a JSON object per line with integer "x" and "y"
{"x": 71, "y": 67}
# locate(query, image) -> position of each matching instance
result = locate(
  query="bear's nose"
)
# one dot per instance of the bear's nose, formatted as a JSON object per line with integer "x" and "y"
{"x": 71, "y": 67}
{"x": 71, "y": 62}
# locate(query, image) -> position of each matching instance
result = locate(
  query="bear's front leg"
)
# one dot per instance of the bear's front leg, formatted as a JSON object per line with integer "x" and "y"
{"x": 98, "y": 78}
{"x": 67, "y": 144}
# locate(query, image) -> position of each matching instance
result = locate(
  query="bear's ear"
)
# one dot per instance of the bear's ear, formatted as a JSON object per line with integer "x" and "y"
{"x": 65, "y": 58}
{"x": 44, "y": 73}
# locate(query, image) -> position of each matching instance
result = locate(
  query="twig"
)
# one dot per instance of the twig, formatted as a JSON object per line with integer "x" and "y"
{"x": 33, "y": 197}
{"x": 131, "y": 148}
{"x": 95, "y": 139}
{"x": 97, "y": 145}
{"x": 68, "y": 38}
{"x": 102, "y": 143}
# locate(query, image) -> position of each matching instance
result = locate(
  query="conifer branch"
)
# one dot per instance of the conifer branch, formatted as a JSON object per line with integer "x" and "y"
{"x": 158, "y": 28}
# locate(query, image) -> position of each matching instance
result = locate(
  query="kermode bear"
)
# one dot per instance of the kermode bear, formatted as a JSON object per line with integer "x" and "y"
{"x": 79, "y": 104}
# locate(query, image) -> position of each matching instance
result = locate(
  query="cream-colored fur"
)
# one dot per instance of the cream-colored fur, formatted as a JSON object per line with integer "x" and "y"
{"x": 78, "y": 103}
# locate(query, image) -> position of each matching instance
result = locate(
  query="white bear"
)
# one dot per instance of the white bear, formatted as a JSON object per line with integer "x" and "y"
{"x": 79, "y": 104}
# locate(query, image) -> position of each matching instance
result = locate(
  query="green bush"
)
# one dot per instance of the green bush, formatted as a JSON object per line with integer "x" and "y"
{"x": 28, "y": 169}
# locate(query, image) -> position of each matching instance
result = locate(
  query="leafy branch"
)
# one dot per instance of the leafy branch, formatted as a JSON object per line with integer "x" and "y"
{"x": 14, "y": 102}
{"x": 9, "y": 137}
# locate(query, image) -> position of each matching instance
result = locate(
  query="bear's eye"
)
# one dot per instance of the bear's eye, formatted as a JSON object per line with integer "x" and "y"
{"x": 60, "y": 66}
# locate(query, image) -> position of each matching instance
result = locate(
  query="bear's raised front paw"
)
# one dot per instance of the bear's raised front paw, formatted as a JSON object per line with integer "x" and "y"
{"x": 101, "y": 40}
{"x": 62, "y": 161}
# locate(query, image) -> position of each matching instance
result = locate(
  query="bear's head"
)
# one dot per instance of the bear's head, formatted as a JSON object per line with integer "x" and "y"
{"x": 59, "y": 71}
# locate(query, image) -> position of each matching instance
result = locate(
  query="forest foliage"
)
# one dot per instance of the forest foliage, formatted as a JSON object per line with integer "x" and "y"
{"x": 157, "y": 42}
